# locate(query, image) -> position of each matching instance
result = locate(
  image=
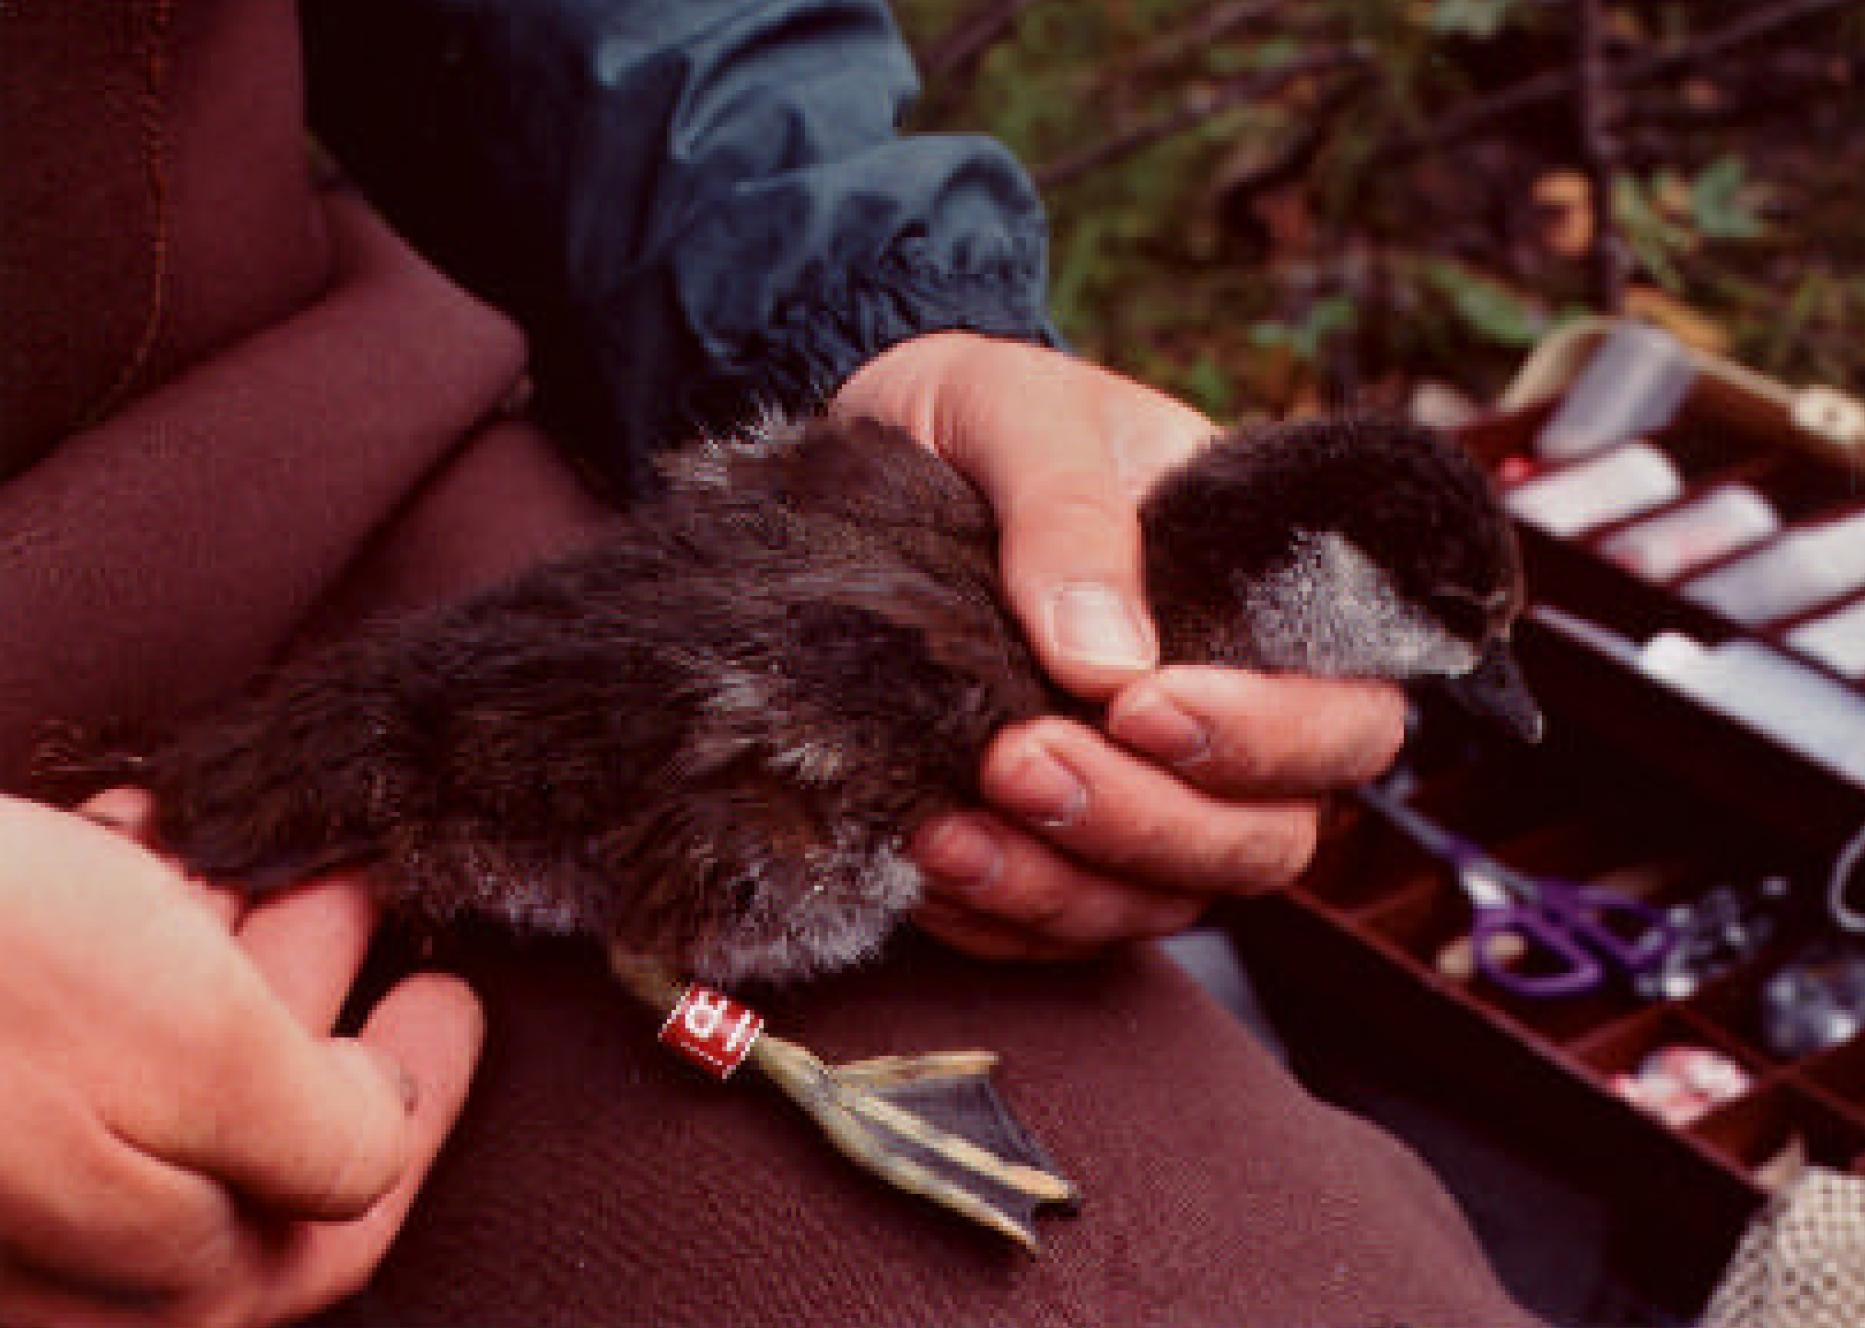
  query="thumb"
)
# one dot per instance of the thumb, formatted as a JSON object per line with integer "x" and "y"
{"x": 324, "y": 1137}
{"x": 1062, "y": 450}
{"x": 315, "y": 1127}
{"x": 1070, "y": 558}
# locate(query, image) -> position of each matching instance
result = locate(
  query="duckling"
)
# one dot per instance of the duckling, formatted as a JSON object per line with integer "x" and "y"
{"x": 706, "y": 739}
{"x": 1342, "y": 548}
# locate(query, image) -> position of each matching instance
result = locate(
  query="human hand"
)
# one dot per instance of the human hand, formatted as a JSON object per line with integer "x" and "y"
{"x": 181, "y": 1142}
{"x": 1205, "y": 782}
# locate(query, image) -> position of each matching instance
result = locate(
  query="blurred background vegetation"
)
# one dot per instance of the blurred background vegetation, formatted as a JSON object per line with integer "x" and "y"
{"x": 1269, "y": 205}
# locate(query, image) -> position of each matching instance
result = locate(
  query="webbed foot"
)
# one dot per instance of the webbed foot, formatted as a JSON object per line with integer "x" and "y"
{"x": 929, "y": 1125}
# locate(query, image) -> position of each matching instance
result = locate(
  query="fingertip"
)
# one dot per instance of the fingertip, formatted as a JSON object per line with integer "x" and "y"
{"x": 429, "y": 994}
{"x": 412, "y": 1064}
{"x": 1388, "y": 728}
{"x": 1367, "y": 726}
{"x": 1034, "y": 772}
{"x": 1145, "y": 718}
{"x": 432, "y": 1026}
{"x": 374, "y": 1151}
{"x": 124, "y": 808}
{"x": 400, "y": 1078}
{"x": 1262, "y": 733}
{"x": 961, "y": 854}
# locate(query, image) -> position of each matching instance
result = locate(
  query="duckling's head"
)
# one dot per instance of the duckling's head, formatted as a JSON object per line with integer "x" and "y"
{"x": 1345, "y": 548}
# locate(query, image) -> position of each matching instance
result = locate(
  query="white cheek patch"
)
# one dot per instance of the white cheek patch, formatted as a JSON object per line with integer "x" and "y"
{"x": 1330, "y": 610}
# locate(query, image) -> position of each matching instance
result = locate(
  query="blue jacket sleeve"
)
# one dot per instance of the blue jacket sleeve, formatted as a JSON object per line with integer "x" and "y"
{"x": 698, "y": 208}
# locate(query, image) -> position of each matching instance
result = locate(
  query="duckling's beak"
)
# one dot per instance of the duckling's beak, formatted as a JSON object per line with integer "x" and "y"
{"x": 1496, "y": 691}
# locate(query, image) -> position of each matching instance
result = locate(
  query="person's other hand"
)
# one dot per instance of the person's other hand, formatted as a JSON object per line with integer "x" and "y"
{"x": 1205, "y": 782}
{"x": 181, "y": 1141}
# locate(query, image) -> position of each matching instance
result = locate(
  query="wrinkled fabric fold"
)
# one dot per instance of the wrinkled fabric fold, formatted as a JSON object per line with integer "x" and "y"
{"x": 1215, "y": 1190}
{"x": 156, "y": 561}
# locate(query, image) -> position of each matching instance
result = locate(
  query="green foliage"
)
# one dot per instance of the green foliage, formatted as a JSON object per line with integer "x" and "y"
{"x": 1722, "y": 201}
{"x": 1305, "y": 339}
{"x": 1480, "y": 19}
{"x": 1657, "y": 237}
{"x": 1486, "y": 307}
{"x": 1380, "y": 252}
{"x": 1667, "y": 219}
{"x": 1207, "y": 386}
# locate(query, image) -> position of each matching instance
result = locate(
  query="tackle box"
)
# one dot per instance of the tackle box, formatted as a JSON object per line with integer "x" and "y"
{"x": 1701, "y": 744}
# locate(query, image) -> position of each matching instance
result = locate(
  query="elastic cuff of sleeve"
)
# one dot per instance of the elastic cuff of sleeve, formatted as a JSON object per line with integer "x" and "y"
{"x": 798, "y": 364}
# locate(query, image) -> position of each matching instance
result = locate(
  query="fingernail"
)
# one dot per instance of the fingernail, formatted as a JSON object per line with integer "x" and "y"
{"x": 959, "y": 852}
{"x": 1159, "y": 729}
{"x": 1092, "y": 623}
{"x": 405, "y": 1084}
{"x": 1043, "y": 790}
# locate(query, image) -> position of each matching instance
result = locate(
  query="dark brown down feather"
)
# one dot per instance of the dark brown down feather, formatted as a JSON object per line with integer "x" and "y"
{"x": 708, "y": 737}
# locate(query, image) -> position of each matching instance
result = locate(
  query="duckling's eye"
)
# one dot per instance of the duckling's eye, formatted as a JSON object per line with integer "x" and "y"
{"x": 741, "y": 893}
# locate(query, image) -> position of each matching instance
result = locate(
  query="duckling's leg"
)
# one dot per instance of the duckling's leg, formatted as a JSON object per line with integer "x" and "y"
{"x": 929, "y": 1125}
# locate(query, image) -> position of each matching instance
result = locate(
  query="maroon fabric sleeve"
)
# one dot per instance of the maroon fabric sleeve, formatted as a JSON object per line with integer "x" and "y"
{"x": 596, "y": 1180}
{"x": 162, "y": 557}
{"x": 156, "y": 202}
{"x": 501, "y": 503}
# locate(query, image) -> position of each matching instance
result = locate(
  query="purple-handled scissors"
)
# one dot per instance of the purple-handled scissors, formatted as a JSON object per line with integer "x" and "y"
{"x": 1570, "y": 934}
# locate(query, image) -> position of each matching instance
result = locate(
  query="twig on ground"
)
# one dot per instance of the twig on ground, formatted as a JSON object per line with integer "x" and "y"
{"x": 1198, "y": 107}
{"x": 1197, "y": 37}
{"x": 1595, "y": 105}
{"x": 1552, "y": 85}
{"x": 961, "y": 48}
